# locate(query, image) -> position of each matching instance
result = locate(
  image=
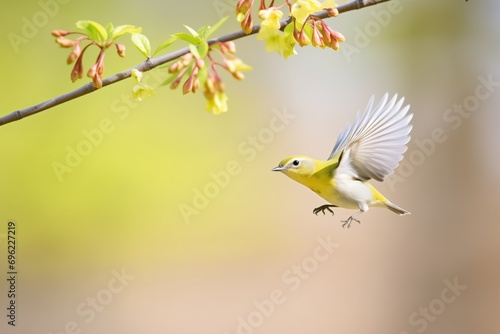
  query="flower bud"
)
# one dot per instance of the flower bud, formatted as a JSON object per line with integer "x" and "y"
{"x": 64, "y": 42}
{"x": 175, "y": 67}
{"x": 243, "y": 6}
{"x": 100, "y": 68}
{"x": 97, "y": 80}
{"x": 335, "y": 44}
{"x": 196, "y": 85}
{"x": 338, "y": 36}
{"x": 228, "y": 47}
{"x": 186, "y": 59}
{"x": 120, "y": 49}
{"x": 60, "y": 33}
{"x": 247, "y": 23}
{"x": 332, "y": 11}
{"x": 238, "y": 75}
{"x": 75, "y": 53}
{"x": 175, "y": 83}
{"x": 301, "y": 37}
{"x": 178, "y": 79}
{"x": 188, "y": 85}
{"x": 92, "y": 71}
{"x": 316, "y": 38}
{"x": 200, "y": 63}
{"x": 209, "y": 85}
{"x": 77, "y": 71}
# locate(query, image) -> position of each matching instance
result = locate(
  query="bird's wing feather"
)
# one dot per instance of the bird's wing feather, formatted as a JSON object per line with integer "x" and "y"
{"x": 376, "y": 141}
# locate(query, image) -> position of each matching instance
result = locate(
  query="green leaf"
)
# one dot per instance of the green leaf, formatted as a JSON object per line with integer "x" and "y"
{"x": 109, "y": 29}
{"x": 192, "y": 31}
{"x": 187, "y": 37}
{"x": 203, "y": 49}
{"x": 215, "y": 27}
{"x": 202, "y": 75}
{"x": 124, "y": 29}
{"x": 203, "y": 32}
{"x": 288, "y": 29}
{"x": 94, "y": 30}
{"x": 165, "y": 44}
{"x": 141, "y": 42}
{"x": 194, "y": 50}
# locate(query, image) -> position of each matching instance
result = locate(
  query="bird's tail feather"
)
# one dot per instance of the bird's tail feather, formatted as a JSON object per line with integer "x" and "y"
{"x": 396, "y": 209}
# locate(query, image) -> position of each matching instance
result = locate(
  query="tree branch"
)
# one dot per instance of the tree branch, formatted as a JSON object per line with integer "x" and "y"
{"x": 151, "y": 63}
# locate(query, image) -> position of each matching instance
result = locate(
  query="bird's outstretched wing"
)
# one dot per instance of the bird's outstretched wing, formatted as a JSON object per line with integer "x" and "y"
{"x": 373, "y": 145}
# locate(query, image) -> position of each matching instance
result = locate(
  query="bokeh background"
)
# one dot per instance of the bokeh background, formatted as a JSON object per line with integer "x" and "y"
{"x": 119, "y": 209}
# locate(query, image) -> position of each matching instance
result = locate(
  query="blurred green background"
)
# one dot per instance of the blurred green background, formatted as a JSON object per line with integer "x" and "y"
{"x": 119, "y": 209}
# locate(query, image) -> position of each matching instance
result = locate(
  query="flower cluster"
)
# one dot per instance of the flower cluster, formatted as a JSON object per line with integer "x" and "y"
{"x": 203, "y": 72}
{"x": 140, "y": 90}
{"x": 97, "y": 35}
{"x": 304, "y": 28}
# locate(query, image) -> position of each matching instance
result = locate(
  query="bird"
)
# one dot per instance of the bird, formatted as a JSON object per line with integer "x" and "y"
{"x": 371, "y": 148}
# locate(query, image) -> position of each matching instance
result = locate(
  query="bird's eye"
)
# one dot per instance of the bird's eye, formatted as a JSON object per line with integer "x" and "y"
{"x": 295, "y": 163}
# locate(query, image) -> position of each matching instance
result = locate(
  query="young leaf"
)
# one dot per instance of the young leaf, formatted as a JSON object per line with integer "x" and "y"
{"x": 187, "y": 37}
{"x": 94, "y": 30}
{"x": 216, "y": 26}
{"x": 202, "y": 49}
{"x": 165, "y": 44}
{"x": 202, "y": 75}
{"x": 109, "y": 29}
{"x": 194, "y": 50}
{"x": 124, "y": 29}
{"x": 203, "y": 31}
{"x": 192, "y": 31}
{"x": 141, "y": 42}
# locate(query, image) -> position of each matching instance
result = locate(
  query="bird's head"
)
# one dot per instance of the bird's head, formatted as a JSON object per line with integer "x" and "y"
{"x": 296, "y": 167}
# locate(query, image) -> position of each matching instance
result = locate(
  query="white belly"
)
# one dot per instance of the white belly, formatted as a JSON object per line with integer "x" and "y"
{"x": 352, "y": 193}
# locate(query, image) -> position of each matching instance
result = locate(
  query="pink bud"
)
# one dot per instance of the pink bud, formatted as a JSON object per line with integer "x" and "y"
{"x": 186, "y": 59}
{"x": 338, "y": 36}
{"x": 302, "y": 38}
{"x": 64, "y": 42}
{"x": 97, "y": 80}
{"x": 60, "y": 33}
{"x": 92, "y": 71}
{"x": 188, "y": 85}
{"x": 100, "y": 68}
{"x": 238, "y": 75}
{"x": 332, "y": 11}
{"x": 75, "y": 53}
{"x": 335, "y": 44}
{"x": 243, "y": 6}
{"x": 120, "y": 49}
{"x": 228, "y": 47}
{"x": 77, "y": 71}
{"x": 247, "y": 23}
{"x": 200, "y": 63}
{"x": 316, "y": 38}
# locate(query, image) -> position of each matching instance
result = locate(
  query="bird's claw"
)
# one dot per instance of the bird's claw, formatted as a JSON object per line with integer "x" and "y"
{"x": 348, "y": 222}
{"x": 323, "y": 208}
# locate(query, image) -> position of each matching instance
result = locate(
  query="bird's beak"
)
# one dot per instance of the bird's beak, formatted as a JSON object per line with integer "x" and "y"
{"x": 278, "y": 169}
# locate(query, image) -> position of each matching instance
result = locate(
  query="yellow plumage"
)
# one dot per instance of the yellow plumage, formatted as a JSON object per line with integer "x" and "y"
{"x": 371, "y": 148}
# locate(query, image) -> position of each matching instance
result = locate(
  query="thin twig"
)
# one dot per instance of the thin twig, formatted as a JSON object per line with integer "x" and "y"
{"x": 155, "y": 62}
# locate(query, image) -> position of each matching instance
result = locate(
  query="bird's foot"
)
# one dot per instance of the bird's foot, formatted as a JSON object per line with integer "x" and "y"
{"x": 348, "y": 222}
{"x": 323, "y": 208}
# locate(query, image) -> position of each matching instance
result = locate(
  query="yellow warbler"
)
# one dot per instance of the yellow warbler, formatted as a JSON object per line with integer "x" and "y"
{"x": 370, "y": 148}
